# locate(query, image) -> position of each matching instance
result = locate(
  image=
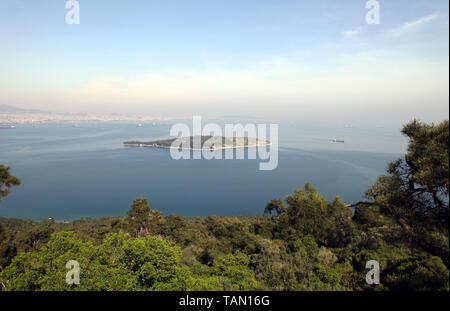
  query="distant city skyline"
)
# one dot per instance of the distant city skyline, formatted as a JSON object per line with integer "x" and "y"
{"x": 290, "y": 60}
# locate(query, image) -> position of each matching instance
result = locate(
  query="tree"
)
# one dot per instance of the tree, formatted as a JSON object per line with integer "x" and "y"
{"x": 276, "y": 205}
{"x": 174, "y": 227}
{"x": 119, "y": 263}
{"x": 234, "y": 272}
{"x": 368, "y": 215}
{"x": 143, "y": 220}
{"x": 6, "y": 181}
{"x": 415, "y": 191}
{"x": 308, "y": 212}
{"x": 7, "y": 250}
{"x": 35, "y": 237}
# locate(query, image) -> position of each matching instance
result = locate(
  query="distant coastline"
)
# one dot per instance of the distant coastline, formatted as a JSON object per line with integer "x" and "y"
{"x": 36, "y": 118}
{"x": 15, "y": 115}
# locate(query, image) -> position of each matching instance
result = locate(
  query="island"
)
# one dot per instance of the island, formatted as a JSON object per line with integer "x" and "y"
{"x": 206, "y": 142}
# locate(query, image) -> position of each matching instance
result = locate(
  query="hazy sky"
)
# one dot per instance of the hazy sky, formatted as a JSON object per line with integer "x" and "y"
{"x": 297, "y": 60}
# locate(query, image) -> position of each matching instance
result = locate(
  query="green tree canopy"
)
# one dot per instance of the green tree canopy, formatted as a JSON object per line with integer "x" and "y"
{"x": 308, "y": 212}
{"x": 234, "y": 272}
{"x": 276, "y": 205}
{"x": 6, "y": 181}
{"x": 119, "y": 263}
{"x": 415, "y": 190}
{"x": 143, "y": 220}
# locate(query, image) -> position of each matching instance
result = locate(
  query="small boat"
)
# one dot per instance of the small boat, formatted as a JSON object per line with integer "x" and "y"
{"x": 10, "y": 127}
{"x": 139, "y": 125}
{"x": 337, "y": 141}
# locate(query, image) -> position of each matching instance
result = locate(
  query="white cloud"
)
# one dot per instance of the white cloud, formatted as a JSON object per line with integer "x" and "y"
{"x": 356, "y": 89}
{"x": 413, "y": 25}
{"x": 352, "y": 32}
{"x": 369, "y": 85}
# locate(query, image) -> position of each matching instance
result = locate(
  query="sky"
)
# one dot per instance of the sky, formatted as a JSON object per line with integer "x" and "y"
{"x": 282, "y": 60}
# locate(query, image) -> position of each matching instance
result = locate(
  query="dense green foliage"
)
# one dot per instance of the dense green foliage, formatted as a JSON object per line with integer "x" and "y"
{"x": 415, "y": 192}
{"x": 6, "y": 181}
{"x": 308, "y": 243}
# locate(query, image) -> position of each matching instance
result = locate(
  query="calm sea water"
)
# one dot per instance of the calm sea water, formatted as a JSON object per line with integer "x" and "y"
{"x": 71, "y": 172}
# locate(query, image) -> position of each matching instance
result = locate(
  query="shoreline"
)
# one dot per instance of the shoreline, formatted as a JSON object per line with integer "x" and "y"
{"x": 218, "y": 148}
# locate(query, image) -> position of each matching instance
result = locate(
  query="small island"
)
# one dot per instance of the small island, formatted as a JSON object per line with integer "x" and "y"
{"x": 206, "y": 142}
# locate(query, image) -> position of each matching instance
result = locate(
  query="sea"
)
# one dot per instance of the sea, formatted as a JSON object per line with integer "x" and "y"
{"x": 79, "y": 170}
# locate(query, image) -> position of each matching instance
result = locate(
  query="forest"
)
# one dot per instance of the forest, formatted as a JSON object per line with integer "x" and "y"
{"x": 302, "y": 242}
